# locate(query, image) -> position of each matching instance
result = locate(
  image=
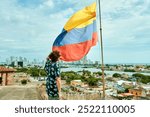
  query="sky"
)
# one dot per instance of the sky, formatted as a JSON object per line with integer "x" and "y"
{"x": 28, "y": 28}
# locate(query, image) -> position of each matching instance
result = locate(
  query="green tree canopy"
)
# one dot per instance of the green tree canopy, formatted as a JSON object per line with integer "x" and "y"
{"x": 116, "y": 75}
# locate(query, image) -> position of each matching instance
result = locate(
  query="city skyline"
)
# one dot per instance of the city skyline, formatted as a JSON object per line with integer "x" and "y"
{"x": 29, "y": 28}
{"x": 34, "y": 61}
{"x": 11, "y": 59}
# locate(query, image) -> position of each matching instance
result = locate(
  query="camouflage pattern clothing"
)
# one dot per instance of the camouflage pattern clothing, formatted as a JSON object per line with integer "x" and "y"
{"x": 53, "y": 71}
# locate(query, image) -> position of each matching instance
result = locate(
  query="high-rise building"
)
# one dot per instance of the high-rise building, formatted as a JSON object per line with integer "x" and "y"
{"x": 84, "y": 60}
{"x": 12, "y": 59}
{"x": 97, "y": 62}
{"x": 8, "y": 61}
{"x": 20, "y": 63}
{"x": 20, "y": 58}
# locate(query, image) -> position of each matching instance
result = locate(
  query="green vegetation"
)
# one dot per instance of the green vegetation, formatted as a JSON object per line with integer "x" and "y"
{"x": 127, "y": 88}
{"x": 85, "y": 77}
{"x": 93, "y": 81}
{"x": 69, "y": 76}
{"x": 99, "y": 73}
{"x": 24, "y": 82}
{"x": 116, "y": 75}
{"x": 22, "y": 70}
{"x": 42, "y": 72}
{"x": 148, "y": 67}
{"x": 138, "y": 75}
{"x": 142, "y": 78}
{"x": 129, "y": 70}
{"x": 34, "y": 71}
{"x": 86, "y": 73}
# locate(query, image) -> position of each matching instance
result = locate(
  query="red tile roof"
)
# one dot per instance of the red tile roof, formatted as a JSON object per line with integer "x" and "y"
{"x": 4, "y": 69}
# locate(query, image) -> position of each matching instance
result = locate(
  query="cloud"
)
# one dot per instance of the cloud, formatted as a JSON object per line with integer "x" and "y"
{"x": 29, "y": 27}
{"x": 24, "y": 28}
{"x": 125, "y": 31}
{"x": 49, "y": 3}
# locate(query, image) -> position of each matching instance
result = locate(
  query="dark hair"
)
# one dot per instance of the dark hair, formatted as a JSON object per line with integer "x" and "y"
{"x": 54, "y": 56}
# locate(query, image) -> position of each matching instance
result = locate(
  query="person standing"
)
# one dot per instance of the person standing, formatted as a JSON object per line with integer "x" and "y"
{"x": 53, "y": 81}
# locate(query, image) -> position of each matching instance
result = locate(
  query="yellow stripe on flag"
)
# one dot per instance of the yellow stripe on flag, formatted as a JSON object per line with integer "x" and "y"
{"x": 82, "y": 18}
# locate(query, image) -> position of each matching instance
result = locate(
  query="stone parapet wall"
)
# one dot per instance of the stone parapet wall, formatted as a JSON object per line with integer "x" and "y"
{"x": 68, "y": 96}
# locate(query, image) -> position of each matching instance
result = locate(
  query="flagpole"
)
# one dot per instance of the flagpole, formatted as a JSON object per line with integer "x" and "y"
{"x": 102, "y": 57}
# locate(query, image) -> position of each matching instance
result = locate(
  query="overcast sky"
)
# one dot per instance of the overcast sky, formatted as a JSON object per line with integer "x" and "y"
{"x": 28, "y": 28}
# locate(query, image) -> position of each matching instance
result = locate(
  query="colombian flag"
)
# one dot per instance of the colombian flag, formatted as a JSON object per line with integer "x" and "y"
{"x": 78, "y": 35}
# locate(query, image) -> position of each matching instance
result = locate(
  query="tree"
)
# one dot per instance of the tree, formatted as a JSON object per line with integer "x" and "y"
{"x": 99, "y": 73}
{"x": 138, "y": 75}
{"x": 24, "y": 81}
{"x": 142, "y": 78}
{"x": 33, "y": 71}
{"x": 116, "y": 75}
{"x": 63, "y": 76}
{"x": 92, "y": 81}
{"x": 129, "y": 70}
{"x": 69, "y": 76}
{"x": 42, "y": 72}
{"x": 86, "y": 73}
{"x": 145, "y": 79}
{"x": 22, "y": 70}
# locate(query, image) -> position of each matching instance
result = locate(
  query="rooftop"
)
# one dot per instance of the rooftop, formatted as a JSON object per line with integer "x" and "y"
{"x": 125, "y": 94}
{"x": 4, "y": 69}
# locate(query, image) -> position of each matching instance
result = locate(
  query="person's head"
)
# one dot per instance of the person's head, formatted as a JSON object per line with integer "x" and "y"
{"x": 54, "y": 56}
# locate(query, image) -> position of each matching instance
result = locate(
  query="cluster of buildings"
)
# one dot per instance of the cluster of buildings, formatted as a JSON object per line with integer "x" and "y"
{"x": 123, "y": 89}
{"x": 116, "y": 88}
{"x": 133, "y": 68}
{"x": 78, "y": 90}
{"x": 22, "y": 62}
{"x": 9, "y": 76}
{"x": 120, "y": 88}
{"x": 83, "y": 61}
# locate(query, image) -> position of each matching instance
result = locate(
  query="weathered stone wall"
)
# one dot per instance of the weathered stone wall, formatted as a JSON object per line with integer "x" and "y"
{"x": 10, "y": 79}
{"x": 68, "y": 96}
{"x": 42, "y": 92}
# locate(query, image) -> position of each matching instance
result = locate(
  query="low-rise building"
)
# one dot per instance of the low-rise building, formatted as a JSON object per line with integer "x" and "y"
{"x": 6, "y": 76}
{"x": 126, "y": 95}
{"x": 136, "y": 92}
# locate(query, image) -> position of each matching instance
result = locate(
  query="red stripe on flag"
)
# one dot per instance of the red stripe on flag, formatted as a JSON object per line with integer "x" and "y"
{"x": 81, "y": 49}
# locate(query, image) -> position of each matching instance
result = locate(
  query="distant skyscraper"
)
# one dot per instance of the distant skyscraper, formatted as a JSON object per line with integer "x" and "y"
{"x": 97, "y": 62}
{"x": 12, "y": 59}
{"x": 20, "y": 63}
{"x": 84, "y": 60}
{"x": 20, "y": 58}
{"x": 7, "y": 61}
{"x": 25, "y": 59}
{"x": 89, "y": 61}
{"x": 34, "y": 61}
